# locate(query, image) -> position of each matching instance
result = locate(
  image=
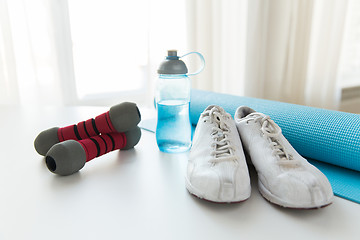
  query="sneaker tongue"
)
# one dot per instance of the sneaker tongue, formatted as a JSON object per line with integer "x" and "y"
{"x": 221, "y": 143}
{"x": 267, "y": 125}
{"x": 214, "y": 109}
{"x": 255, "y": 115}
{"x": 270, "y": 128}
{"x": 281, "y": 151}
{"x": 217, "y": 109}
{"x": 220, "y": 135}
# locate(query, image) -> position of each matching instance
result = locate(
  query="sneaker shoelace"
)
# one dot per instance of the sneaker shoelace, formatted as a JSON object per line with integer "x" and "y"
{"x": 272, "y": 131}
{"x": 222, "y": 147}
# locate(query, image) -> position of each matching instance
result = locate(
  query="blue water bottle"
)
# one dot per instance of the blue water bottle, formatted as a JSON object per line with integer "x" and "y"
{"x": 173, "y": 130}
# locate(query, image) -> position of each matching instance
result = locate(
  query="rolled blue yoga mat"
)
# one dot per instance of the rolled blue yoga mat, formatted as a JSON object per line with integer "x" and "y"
{"x": 327, "y": 136}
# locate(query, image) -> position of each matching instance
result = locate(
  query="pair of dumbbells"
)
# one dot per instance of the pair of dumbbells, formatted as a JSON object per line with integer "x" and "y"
{"x": 67, "y": 149}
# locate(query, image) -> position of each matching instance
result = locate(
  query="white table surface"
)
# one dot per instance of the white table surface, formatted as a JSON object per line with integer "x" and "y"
{"x": 134, "y": 194}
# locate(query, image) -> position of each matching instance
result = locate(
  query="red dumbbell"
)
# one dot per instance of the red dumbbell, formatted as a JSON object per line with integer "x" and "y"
{"x": 120, "y": 118}
{"x": 70, "y": 156}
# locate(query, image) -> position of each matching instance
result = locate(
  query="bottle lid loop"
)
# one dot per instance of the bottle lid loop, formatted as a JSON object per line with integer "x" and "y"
{"x": 202, "y": 63}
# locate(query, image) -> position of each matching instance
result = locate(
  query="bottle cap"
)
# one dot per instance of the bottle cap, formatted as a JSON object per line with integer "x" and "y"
{"x": 172, "y": 64}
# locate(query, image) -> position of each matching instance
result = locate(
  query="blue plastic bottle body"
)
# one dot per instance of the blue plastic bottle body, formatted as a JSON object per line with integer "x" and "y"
{"x": 173, "y": 130}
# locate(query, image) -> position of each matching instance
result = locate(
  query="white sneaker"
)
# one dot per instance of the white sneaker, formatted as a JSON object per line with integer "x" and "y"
{"x": 217, "y": 169}
{"x": 285, "y": 178}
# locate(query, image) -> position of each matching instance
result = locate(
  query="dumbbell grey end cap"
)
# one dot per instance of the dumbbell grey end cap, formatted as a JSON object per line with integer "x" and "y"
{"x": 45, "y": 140}
{"x": 66, "y": 158}
{"x": 124, "y": 116}
{"x": 132, "y": 137}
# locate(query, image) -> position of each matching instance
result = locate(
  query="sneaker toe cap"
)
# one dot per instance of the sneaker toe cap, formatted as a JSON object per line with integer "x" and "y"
{"x": 209, "y": 185}
{"x": 206, "y": 184}
{"x": 303, "y": 190}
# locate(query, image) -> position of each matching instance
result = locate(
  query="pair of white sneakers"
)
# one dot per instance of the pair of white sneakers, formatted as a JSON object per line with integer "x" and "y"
{"x": 217, "y": 170}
